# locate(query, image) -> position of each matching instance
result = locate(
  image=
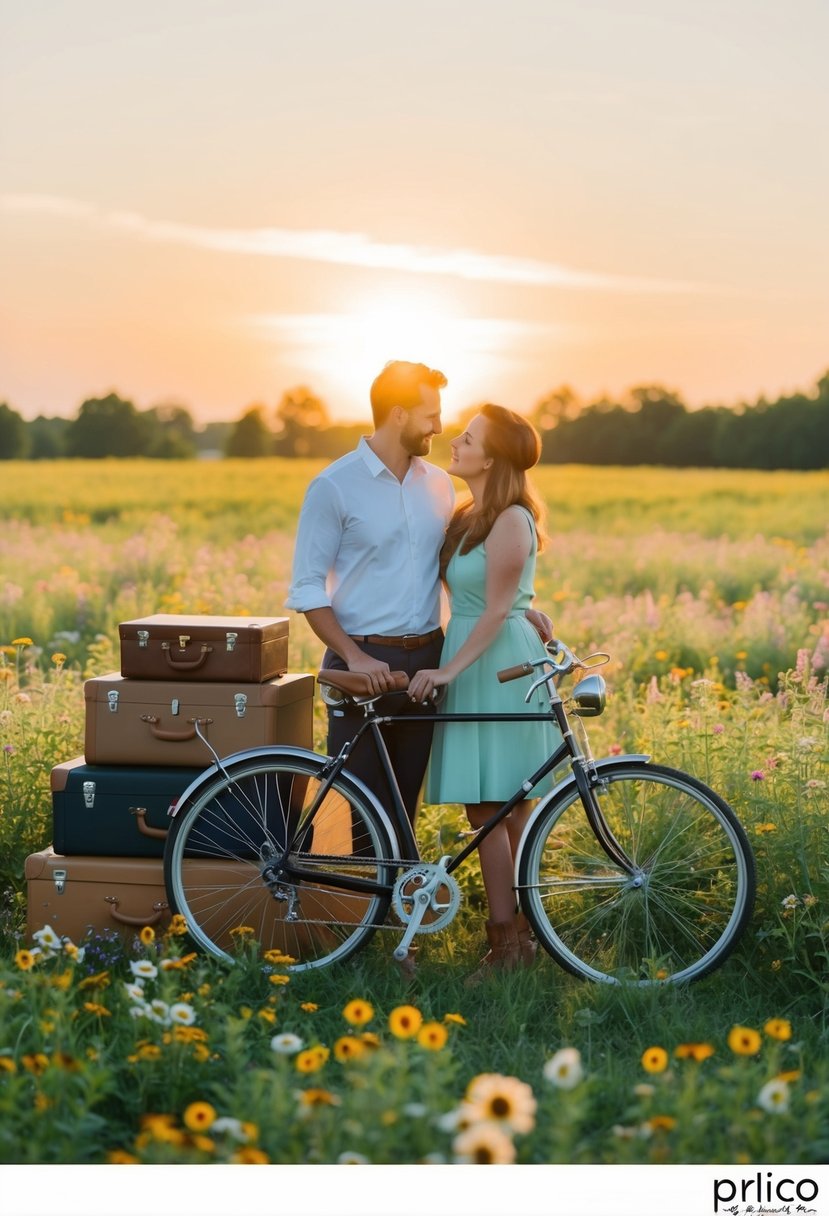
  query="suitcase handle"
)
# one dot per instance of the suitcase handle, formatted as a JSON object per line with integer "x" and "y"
{"x": 173, "y": 736}
{"x": 158, "y": 911}
{"x": 185, "y": 664}
{"x": 140, "y": 813}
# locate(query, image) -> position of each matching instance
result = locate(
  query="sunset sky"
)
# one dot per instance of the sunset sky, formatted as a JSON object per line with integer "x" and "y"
{"x": 210, "y": 202}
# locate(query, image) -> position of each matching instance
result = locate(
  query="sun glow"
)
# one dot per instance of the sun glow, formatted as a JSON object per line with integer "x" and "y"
{"x": 348, "y": 349}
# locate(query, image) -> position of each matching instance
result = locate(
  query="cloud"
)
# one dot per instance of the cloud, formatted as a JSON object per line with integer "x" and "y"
{"x": 347, "y": 249}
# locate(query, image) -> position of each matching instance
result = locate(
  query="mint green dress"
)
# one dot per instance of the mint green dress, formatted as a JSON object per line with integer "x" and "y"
{"x": 487, "y": 761}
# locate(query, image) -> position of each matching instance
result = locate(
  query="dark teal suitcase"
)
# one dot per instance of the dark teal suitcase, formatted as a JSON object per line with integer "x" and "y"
{"x": 114, "y": 810}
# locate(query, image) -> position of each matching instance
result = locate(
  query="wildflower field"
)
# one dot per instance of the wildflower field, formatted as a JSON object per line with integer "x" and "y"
{"x": 711, "y": 592}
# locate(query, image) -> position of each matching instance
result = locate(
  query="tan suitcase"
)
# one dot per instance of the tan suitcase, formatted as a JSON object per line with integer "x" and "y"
{"x": 240, "y": 649}
{"x": 78, "y": 894}
{"x": 153, "y": 722}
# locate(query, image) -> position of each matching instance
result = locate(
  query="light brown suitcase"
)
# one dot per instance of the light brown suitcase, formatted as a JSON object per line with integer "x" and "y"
{"x": 168, "y": 646}
{"x": 153, "y": 722}
{"x": 78, "y": 894}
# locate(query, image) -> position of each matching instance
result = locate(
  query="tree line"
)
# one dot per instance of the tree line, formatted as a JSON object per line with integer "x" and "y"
{"x": 649, "y": 424}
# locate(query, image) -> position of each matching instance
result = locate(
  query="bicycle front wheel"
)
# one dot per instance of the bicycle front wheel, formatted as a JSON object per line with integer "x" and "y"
{"x": 234, "y": 851}
{"x": 681, "y": 911}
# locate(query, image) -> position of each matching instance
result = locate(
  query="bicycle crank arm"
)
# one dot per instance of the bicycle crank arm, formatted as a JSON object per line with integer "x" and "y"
{"x": 421, "y": 901}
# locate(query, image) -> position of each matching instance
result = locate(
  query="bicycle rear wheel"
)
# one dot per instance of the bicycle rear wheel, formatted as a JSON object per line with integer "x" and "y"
{"x": 232, "y": 849}
{"x": 677, "y": 917}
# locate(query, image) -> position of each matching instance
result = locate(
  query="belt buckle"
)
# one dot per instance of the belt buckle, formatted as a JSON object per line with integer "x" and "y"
{"x": 411, "y": 641}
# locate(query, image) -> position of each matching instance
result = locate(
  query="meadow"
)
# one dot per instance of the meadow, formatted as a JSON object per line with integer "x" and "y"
{"x": 711, "y": 592}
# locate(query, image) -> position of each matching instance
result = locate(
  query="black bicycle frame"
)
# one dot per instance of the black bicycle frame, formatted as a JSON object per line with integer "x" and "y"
{"x": 404, "y": 828}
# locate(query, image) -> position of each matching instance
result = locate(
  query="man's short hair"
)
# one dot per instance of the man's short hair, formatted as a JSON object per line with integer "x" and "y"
{"x": 399, "y": 383}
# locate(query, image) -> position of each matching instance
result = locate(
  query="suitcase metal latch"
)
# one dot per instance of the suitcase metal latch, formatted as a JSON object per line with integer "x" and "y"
{"x": 59, "y": 879}
{"x": 175, "y": 706}
{"x": 231, "y": 640}
{"x": 88, "y": 794}
{"x": 112, "y": 701}
{"x": 241, "y": 703}
{"x": 143, "y": 638}
{"x": 183, "y": 639}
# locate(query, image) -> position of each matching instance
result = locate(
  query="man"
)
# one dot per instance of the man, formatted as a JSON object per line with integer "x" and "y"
{"x": 366, "y": 564}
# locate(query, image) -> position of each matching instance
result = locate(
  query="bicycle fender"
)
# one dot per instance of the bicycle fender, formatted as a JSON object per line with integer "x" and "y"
{"x": 249, "y": 753}
{"x": 261, "y": 753}
{"x": 569, "y": 782}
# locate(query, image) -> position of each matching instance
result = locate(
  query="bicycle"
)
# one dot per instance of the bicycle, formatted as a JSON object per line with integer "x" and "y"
{"x": 627, "y": 871}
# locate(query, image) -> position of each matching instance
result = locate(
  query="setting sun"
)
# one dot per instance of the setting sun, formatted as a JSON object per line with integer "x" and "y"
{"x": 349, "y": 348}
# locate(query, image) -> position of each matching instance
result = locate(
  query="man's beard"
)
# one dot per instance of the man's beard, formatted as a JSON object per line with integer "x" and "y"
{"x": 414, "y": 444}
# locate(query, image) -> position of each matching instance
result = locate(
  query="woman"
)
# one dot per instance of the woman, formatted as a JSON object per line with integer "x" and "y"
{"x": 488, "y": 565}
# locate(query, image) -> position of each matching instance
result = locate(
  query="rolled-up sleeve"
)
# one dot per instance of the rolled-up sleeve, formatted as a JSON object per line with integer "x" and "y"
{"x": 318, "y": 537}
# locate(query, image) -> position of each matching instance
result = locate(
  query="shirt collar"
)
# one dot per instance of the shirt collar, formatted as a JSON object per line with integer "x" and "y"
{"x": 376, "y": 466}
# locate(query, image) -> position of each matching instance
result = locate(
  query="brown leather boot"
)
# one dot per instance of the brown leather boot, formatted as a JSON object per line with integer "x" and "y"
{"x": 504, "y": 950}
{"x": 528, "y": 944}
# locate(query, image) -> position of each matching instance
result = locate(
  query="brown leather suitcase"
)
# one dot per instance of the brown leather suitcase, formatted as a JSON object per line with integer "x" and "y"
{"x": 153, "y": 722}
{"x": 78, "y": 894}
{"x": 168, "y": 646}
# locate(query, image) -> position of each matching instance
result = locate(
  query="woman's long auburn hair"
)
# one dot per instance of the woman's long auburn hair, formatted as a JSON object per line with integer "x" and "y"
{"x": 513, "y": 444}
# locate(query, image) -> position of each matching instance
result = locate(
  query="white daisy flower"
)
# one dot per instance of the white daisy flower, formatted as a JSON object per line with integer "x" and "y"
{"x": 144, "y": 969}
{"x": 139, "y": 1011}
{"x": 231, "y": 1127}
{"x": 351, "y": 1158}
{"x": 564, "y": 1069}
{"x": 286, "y": 1044}
{"x": 47, "y": 938}
{"x": 774, "y": 1097}
{"x": 182, "y": 1013}
{"x": 135, "y": 991}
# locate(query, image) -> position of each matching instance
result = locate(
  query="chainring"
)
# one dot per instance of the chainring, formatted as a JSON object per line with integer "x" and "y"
{"x": 444, "y": 902}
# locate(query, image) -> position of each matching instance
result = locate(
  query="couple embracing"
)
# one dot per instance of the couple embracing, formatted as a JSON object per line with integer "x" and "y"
{"x": 378, "y": 534}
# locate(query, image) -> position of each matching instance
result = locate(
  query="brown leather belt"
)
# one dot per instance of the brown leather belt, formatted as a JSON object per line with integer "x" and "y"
{"x": 406, "y": 641}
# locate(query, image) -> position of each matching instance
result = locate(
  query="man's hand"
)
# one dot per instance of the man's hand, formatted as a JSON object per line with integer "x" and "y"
{"x": 541, "y": 623}
{"x": 377, "y": 671}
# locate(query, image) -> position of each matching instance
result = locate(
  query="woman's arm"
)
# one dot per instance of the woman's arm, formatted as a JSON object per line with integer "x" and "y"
{"x": 507, "y": 546}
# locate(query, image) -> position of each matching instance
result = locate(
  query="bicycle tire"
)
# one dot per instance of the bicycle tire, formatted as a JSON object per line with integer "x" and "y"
{"x": 224, "y": 858}
{"x": 683, "y": 912}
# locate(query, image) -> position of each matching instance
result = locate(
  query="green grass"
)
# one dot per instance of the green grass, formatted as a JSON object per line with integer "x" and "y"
{"x": 708, "y": 589}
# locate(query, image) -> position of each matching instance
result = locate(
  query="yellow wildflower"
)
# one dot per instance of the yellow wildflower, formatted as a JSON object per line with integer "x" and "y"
{"x": 247, "y": 1155}
{"x": 661, "y": 1123}
{"x": 118, "y": 1156}
{"x": 432, "y": 1036}
{"x": 199, "y": 1116}
{"x": 743, "y": 1041}
{"x": 309, "y": 1006}
{"x": 279, "y": 979}
{"x": 655, "y": 1059}
{"x": 358, "y": 1013}
{"x": 312, "y": 1059}
{"x": 348, "y": 1048}
{"x": 147, "y": 935}
{"x": 99, "y": 1010}
{"x": 405, "y": 1021}
{"x": 455, "y": 1018}
{"x": 778, "y": 1028}
{"x": 22, "y": 642}
{"x": 694, "y": 1051}
{"x": 25, "y": 960}
{"x": 318, "y": 1097}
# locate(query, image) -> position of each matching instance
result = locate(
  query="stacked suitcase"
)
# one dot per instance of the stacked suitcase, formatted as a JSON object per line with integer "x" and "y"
{"x": 228, "y": 675}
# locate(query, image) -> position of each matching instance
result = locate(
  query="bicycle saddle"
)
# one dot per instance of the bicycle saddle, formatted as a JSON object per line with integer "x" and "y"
{"x": 356, "y": 684}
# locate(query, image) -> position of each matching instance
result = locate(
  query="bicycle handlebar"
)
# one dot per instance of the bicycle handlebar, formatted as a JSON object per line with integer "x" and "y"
{"x": 559, "y": 658}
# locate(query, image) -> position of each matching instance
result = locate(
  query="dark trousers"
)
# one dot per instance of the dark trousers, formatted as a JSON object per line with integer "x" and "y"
{"x": 408, "y": 743}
